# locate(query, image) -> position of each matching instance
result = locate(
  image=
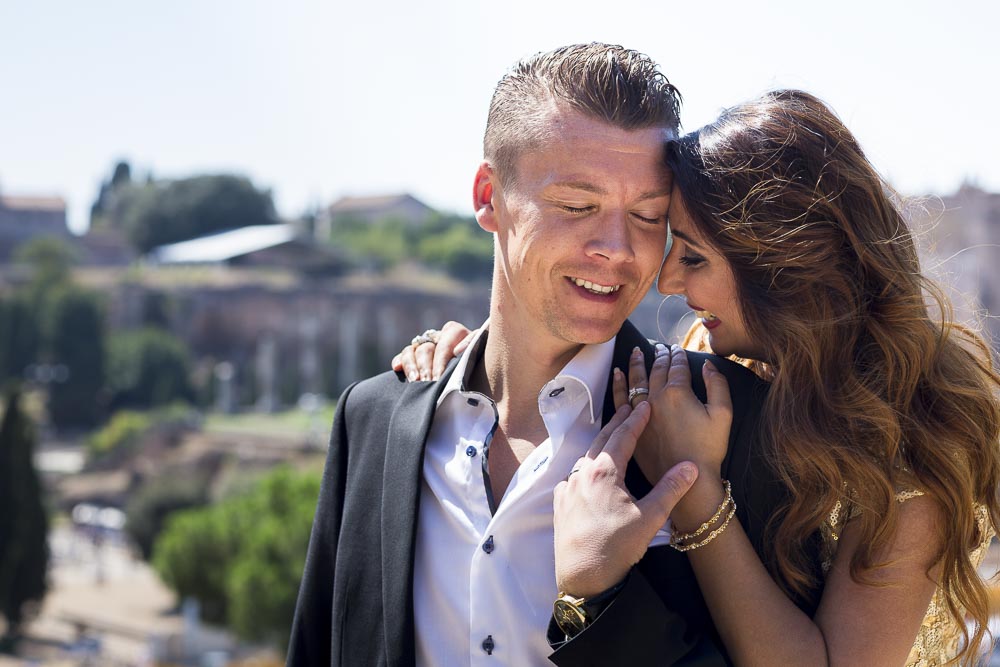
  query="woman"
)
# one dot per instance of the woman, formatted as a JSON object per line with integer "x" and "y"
{"x": 882, "y": 418}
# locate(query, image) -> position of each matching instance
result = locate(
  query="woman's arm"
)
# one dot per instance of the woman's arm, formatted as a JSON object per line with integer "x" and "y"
{"x": 856, "y": 624}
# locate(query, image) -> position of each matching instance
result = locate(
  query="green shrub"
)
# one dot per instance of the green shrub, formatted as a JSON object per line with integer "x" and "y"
{"x": 148, "y": 509}
{"x": 147, "y": 368}
{"x": 121, "y": 433}
{"x": 242, "y": 559}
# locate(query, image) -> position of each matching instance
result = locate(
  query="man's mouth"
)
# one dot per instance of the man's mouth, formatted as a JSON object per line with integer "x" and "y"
{"x": 594, "y": 288}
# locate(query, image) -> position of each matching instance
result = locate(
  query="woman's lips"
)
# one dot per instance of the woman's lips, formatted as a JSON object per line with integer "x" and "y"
{"x": 708, "y": 319}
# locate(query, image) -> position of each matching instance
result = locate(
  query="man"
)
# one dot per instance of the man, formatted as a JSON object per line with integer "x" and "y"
{"x": 433, "y": 541}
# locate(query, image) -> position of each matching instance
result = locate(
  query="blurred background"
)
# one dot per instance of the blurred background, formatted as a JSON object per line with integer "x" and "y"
{"x": 216, "y": 215}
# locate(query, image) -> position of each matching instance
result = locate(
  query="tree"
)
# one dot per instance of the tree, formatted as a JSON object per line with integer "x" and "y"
{"x": 50, "y": 259}
{"x": 150, "y": 507}
{"x": 19, "y": 338}
{"x": 24, "y": 551}
{"x": 243, "y": 558}
{"x": 73, "y": 328}
{"x": 374, "y": 244}
{"x": 460, "y": 250}
{"x": 106, "y": 210}
{"x": 147, "y": 368}
{"x": 171, "y": 211}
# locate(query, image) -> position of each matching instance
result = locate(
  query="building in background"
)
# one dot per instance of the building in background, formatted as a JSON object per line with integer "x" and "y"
{"x": 403, "y": 207}
{"x": 25, "y": 218}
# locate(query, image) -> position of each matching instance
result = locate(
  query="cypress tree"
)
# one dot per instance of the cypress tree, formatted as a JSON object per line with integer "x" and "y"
{"x": 74, "y": 330}
{"x": 24, "y": 551}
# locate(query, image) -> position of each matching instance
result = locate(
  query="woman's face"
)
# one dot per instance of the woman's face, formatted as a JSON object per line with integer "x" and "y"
{"x": 696, "y": 271}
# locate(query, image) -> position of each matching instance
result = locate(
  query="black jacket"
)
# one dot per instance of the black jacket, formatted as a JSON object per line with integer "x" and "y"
{"x": 355, "y": 605}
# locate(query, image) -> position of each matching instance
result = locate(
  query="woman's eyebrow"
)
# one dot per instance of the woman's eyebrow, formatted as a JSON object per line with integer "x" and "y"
{"x": 685, "y": 237}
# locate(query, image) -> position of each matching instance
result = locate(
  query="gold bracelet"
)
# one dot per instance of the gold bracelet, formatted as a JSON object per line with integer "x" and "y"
{"x": 711, "y": 536}
{"x": 684, "y": 537}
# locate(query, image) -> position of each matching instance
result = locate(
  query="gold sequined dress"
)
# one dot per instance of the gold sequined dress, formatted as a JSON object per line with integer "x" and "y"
{"x": 940, "y": 633}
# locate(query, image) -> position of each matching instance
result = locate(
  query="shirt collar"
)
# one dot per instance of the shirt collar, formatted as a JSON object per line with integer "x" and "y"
{"x": 459, "y": 379}
{"x": 590, "y": 367}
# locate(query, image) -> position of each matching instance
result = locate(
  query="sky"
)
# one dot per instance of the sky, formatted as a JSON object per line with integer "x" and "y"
{"x": 315, "y": 100}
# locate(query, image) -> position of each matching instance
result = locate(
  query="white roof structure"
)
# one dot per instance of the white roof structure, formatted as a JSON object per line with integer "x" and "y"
{"x": 224, "y": 246}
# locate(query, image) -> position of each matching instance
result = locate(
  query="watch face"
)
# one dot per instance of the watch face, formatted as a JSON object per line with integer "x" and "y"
{"x": 569, "y": 617}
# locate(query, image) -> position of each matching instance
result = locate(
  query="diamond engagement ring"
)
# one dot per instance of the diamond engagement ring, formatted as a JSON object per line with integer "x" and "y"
{"x": 429, "y": 336}
{"x": 636, "y": 391}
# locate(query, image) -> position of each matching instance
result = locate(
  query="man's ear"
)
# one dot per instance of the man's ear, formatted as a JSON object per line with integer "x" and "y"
{"x": 482, "y": 197}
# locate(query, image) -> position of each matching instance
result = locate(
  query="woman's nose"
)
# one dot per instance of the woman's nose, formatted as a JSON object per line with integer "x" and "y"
{"x": 670, "y": 280}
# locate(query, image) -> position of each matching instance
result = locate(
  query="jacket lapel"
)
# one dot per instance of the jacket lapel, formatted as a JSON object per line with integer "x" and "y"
{"x": 628, "y": 338}
{"x": 407, "y": 435}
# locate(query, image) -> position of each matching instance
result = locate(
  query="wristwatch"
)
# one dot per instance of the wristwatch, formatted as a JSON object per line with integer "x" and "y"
{"x": 570, "y": 615}
{"x": 573, "y": 614}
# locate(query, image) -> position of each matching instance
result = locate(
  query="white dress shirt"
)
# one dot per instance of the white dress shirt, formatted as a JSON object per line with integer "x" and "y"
{"x": 484, "y": 581}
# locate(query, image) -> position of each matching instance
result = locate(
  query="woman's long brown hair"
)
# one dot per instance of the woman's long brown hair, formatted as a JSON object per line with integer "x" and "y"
{"x": 875, "y": 389}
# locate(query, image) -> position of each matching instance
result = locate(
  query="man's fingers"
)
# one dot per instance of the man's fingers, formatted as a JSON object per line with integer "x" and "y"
{"x": 660, "y": 502}
{"x": 720, "y": 402}
{"x": 621, "y": 444}
{"x": 557, "y": 495}
{"x": 679, "y": 373}
{"x": 619, "y": 390}
{"x": 602, "y": 438}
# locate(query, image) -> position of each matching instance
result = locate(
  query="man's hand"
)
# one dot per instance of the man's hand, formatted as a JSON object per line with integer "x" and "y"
{"x": 601, "y": 531}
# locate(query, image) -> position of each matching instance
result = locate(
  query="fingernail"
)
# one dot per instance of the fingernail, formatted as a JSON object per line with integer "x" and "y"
{"x": 675, "y": 347}
{"x": 412, "y": 376}
{"x": 710, "y": 368}
{"x": 687, "y": 471}
{"x": 636, "y": 351}
{"x": 643, "y": 405}
{"x": 618, "y": 374}
{"x": 660, "y": 346}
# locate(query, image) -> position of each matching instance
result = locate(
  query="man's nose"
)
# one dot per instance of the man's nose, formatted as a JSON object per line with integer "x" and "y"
{"x": 670, "y": 280}
{"x": 611, "y": 238}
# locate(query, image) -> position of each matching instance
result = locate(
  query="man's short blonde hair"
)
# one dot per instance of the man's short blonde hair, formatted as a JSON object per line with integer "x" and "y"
{"x": 610, "y": 83}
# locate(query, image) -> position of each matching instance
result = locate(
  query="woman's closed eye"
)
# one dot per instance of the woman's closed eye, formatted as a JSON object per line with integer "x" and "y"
{"x": 691, "y": 260}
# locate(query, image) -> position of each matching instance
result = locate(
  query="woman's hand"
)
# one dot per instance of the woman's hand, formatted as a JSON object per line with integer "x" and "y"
{"x": 427, "y": 360}
{"x": 681, "y": 428}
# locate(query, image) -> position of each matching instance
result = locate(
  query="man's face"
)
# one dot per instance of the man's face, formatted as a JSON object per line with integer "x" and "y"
{"x": 581, "y": 229}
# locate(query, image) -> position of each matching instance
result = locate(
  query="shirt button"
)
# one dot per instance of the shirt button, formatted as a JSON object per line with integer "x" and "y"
{"x": 488, "y": 545}
{"x": 488, "y": 645}
{"x": 470, "y": 451}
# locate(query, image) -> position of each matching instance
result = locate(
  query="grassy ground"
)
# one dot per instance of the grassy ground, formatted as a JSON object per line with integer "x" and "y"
{"x": 288, "y": 422}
